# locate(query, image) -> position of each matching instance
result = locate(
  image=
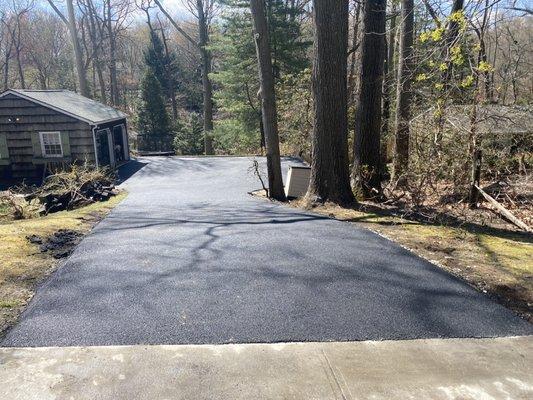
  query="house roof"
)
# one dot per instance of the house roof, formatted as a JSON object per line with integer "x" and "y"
{"x": 70, "y": 103}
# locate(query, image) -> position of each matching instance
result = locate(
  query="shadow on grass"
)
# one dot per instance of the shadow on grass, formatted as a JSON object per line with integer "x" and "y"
{"x": 431, "y": 217}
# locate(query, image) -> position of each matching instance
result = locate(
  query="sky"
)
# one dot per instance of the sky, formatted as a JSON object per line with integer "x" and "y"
{"x": 175, "y": 7}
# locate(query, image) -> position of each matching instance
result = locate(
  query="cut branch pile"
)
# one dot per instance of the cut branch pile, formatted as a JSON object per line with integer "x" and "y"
{"x": 67, "y": 190}
{"x": 64, "y": 190}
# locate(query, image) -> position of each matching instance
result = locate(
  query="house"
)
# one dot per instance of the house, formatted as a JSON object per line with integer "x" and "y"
{"x": 43, "y": 129}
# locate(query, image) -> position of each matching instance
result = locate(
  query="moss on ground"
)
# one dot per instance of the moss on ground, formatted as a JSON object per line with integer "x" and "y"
{"x": 22, "y": 265}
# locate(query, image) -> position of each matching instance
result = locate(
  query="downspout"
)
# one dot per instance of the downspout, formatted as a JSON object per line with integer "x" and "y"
{"x": 94, "y": 142}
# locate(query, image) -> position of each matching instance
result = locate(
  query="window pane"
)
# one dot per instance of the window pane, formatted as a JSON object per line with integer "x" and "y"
{"x": 51, "y": 143}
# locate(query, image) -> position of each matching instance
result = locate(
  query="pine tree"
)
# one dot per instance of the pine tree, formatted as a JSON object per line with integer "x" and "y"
{"x": 152, "y": 117}
{"x": 189, "y": 137}
{"x": 236, "y": 78}
{"x": 163, "y": 64}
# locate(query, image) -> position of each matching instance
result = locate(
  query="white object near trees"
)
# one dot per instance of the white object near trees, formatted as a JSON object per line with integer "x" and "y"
{"x": 297, "y": 181}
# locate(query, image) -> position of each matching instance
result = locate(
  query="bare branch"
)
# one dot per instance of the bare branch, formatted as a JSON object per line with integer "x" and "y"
{"x": 58, "y": 12}
{"x": 175, "y": 24}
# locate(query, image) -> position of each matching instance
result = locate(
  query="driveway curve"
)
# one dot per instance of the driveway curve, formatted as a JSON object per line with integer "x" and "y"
{"x": 190, "y": 257}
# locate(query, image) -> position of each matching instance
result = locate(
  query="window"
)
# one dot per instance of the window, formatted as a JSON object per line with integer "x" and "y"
{"x": 51, "y": 144}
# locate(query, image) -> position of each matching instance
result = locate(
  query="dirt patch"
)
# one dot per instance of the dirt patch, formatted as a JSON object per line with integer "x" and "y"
{"x": 31, "y": 249}
{"x": 58, "y": 245}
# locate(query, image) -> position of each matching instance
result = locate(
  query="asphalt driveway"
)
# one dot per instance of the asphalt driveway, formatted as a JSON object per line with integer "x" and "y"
{"x": 190, "y": 257}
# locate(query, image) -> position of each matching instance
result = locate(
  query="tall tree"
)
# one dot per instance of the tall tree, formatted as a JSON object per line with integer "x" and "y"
{"x": 389, "y": 77}
{"x": 163, "y": 62}
{"x": 152, "y": 117}
{"x": 203, "y": 31}
{"x": 236, "y": 76}
{"x": 204, "y": 10}
{"x": 94, "y": 30}
{"x": 451, "y": 37}
{"x": 70, "y": 22}
{"x": 330, "y": 178}
{"x": 268, "y": 99}
{"x": 367, "y": 162}
{"x": 111, "y": 37}
{"x": 403, "y": 94}
{"x": 78, "y": 56}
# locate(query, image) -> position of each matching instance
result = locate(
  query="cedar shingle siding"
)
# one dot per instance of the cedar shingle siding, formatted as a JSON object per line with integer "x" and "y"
{"x": 21, "y": 121}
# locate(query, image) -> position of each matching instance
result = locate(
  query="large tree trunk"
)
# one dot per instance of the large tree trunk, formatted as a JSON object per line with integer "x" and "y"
{"x": 367, "y": 163}
{"x": 330, "y": 177}
{"x": 206, "y": 82}
{"x": 268, "y": 99}
{"x": 404, "y": 95}
{"x": 78, "y": 57}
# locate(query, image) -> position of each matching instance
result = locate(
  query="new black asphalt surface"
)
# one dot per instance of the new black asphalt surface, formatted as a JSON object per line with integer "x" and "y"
{"x": 190, "y": 257}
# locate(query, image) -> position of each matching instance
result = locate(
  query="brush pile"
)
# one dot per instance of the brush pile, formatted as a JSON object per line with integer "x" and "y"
{"x": 78, "y": 187}
{"x": 81, "y": 185}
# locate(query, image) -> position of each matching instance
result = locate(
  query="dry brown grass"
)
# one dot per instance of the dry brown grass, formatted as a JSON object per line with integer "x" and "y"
{"x": 22, "y": 265}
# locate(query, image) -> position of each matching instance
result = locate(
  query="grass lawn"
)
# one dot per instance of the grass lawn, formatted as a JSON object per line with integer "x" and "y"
{"x": 22, "y": 265}
{"x": 495, "y": 261}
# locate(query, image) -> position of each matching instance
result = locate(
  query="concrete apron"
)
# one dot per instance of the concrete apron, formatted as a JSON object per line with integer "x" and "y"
{"x": 414, "y": 369}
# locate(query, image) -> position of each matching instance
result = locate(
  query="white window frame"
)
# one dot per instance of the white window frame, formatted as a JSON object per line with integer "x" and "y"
{"x": 43, "y": 151}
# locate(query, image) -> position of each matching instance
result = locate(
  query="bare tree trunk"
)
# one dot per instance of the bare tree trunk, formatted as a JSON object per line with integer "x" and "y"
{"x": 452, "y": 34}
{"x": 18, "y": 58}
{"x": 112, "y": 57}
{"x": 482, "y": 52}
{"x": 330, "y": 176}
{"x": 78, "y": 58}
{"x": 388, "y": 73}
{"x": 268, "y": 99}
{"x": 404, "y": 95}
{"x": 474, "y": 153}
{"x": 170, "y": 81}
{"x": 451, "y": 37}
{"x": 367, "y": 161}
{"x": 353, "y": 53}
{"x": 6, "y": 68}
{"x": 94, "y": 31}
{"x": 203, "y": 29}
{"x": 206, "y": 82}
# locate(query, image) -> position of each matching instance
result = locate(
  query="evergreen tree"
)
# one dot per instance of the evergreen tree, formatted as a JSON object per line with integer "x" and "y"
{"x": 189, "y": 137}
{"x": 163, "y": 64}
{"x": 237, "y": 80}
{"x": 152, "y": 117}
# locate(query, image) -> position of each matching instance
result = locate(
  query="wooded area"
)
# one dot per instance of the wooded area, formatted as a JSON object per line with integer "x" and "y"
{"x": 401, "y": 101}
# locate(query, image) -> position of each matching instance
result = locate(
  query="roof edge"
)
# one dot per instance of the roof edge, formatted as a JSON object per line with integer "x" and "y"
{"x": 58, "y": 109}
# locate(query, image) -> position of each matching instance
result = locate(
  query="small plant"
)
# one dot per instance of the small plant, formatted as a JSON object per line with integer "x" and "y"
{"x": 256, "y": 169}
